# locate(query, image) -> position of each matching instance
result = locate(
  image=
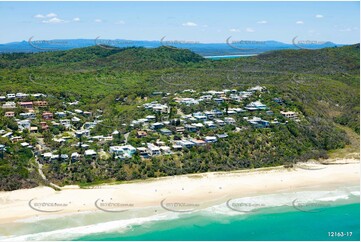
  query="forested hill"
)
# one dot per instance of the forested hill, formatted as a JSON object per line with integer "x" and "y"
{"x": 102, "y": 56}
{"x": 322, "y": 86}
{"x": 329, "y": 60}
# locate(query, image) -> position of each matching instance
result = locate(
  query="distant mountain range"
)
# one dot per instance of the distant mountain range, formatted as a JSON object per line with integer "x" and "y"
{"x": 230, "y": 47}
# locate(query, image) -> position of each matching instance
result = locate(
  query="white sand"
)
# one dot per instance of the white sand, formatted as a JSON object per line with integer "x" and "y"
{"x": 205, "y": 189}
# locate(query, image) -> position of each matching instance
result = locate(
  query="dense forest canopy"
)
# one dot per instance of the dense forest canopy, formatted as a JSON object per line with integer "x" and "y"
{"x": 321, "y": 84}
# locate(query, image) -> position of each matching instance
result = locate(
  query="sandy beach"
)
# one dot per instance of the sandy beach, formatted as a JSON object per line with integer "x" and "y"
{"x": 201, "y": 189}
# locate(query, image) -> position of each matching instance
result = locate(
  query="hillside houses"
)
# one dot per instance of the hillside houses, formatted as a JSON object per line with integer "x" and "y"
{"x": 196, "y": 120}
{"x": 253, "y": 106}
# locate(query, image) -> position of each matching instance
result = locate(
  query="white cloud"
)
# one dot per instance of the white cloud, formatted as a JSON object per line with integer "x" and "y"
{"x": 76, "y": 19}
{"x": 51, "y": 15}
{"x": 299, "y": 22}
{"x": 120, "y": 22}
{"x": 234, "y": 30}
{"x": 319, "y": 16}
{"x": 262, "y": 22}
{"x": 250, "y": 30}
{"x": 345, "y": 30}
{"x": 190, "y": 24}
{"x": 39, "y": 16}
{"x": 54, "y": 21}
{"x": 98, "y": 20}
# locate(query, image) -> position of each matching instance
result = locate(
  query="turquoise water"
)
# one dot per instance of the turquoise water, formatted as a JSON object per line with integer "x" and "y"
{"x": 279, "y": 223}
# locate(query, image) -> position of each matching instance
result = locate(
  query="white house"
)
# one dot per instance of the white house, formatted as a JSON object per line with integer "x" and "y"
{"x": 210, "y": 139}
{"x": 289, "y": 114}
{"x": 9, "y": 105}
{"x": 122, "y": 151}
{"x": 229, "y": 120}
{"x": 153, "y": 150}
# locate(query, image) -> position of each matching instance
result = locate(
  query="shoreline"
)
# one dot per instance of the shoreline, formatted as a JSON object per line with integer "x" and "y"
{"x": 203, "y": 190}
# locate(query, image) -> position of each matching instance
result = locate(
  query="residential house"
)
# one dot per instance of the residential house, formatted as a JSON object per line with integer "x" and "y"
{"x": 278, "y": 100}
{"x": 179, "y": 129}
{"x": 84, "y": 132}
{"x": 289, "y": 114}
{"x": 75, "y": 157}
{"x": 191, "y": 128}
{"x": 198, "y": 142}
{"x": 44, "y": 125}
{"x": 165, "y": 131}
{"x": 10, "y": 96}
{"x": 125, "y": 151}
{"x": 89, "y": 125}
{"x": 75, "y": 119}
{"x": 165, "y": 150}
{"x": 153, "y": 150}
{"x": 60, "y": 114}
{"x": 200, "y": 116}
{"x": 229, "y": 120}
{"x": 210, "y": 139}
{"x": 150, "y": 118}
{"x": 21, "y": 95}
{"x": 256, "y": 106}
{"x": 258, "y": 122}
{"x": 16, "y": 139}
{"x": 27, "y": 105}
{"x": 29, "y": 115}
{"x": 24, "y": 124}
{"x": 220, "y": 122}
{"x": 222, "y": 136}
{"x": 9, "y": 114}
{"x": 210, "y": 124}
{"x": 218, "y": 100}
{"x": 141, "y": 133}
{"x": 143, "y": 152}
{"x": 90, "y": 153}
{"x": 9, "y": 105}
{"x": 184, "y": 143}
{"x": 41, "y": 104}
{"x": 157, "y": 126}
{"x": 65, "y": 123}
{"x": 256, "y": 89}
{"x": 33, "y": 129}
{"x": 47, "y": 116}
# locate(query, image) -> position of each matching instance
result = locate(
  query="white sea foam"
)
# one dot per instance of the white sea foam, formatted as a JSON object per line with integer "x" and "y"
{"x": 241, "y": 206}
{"x": 356, "y": 193}
{"x": 299, "y": 200}
{"x": 68, "y": 233}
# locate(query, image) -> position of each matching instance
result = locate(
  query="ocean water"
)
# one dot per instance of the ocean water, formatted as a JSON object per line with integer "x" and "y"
{"x": 270, "y": 224}
{"x": 325, "y": 215}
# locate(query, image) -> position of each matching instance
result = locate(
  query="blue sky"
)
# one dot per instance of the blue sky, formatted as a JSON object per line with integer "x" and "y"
{"x": 184, "y": 21}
